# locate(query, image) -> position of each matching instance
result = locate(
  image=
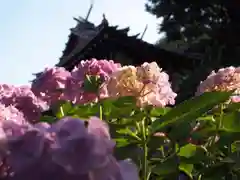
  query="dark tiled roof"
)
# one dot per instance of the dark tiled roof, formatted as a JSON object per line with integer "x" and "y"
{"x": 140, "y": 49}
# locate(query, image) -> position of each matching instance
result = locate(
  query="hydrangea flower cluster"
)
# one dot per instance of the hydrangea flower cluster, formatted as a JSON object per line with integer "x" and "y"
{"x": 225, "y": 79}
{"x": 56, "y": 83}
{"x": 67, "y": 150}
{"x": 50, "y": 84}
{"x": 72, "y": 148}
{"x": 100, "y": 69}
{"x": 11, "y": 113}
{"x": 146, "y": 82}
{"x": 23, "y": 99}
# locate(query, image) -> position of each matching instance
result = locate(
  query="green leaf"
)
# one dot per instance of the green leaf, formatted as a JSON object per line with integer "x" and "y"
{"x": 125, "y": 101}
{"x": 216, "y": 171}
{"x": 191, "y": 109}
{"x": 227, "y": 138}
{"x": 128, "y": 132}
{"x": 118, "y": 108}
{"x": 48, "y": 119}
{"x": 232, "y": 107}
{"x": 205, "y": 129}
{"x": 155, "y": 112}
{"x": 85, "y": 111}
{"x": 166, "y": 168}
{"x": 92, "y": 83}
{"x": 156, "y": 142}
{"x": 235, "y": 146}
{"x": 121, "y": 142}
{"x": 186, "y": 168}
{"x": 131, "y": 151}
{"x": 192, "y": 154}
{"x": 63, "y": 109}
{"x": 188, "y": 150}
{"x": 228, "y": 160}
{"x": 107, "y": 105}
{"x": 231, "y": 122}
{"x": 180, "y": 132}
{"x": 206, "y": 118}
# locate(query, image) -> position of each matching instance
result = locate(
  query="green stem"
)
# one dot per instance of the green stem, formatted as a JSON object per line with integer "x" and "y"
{"x": 100, "y": 107}
{"x": 221, "y": 117}
{"x": 219, "y": 125}
{"x": 62, "y": 112}
{"x": 100, "y": 111}
{"x": 162, "y": 151}
{"x": 145, "y": 163}
{"x": 145, "y": 152}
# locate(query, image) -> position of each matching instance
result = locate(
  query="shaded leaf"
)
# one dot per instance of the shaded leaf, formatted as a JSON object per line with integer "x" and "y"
{"x": 125, "y": 101}
{"x": 191, "y": 109}
{"x": 232, "y": 107}
{"x": 155, "y": 112}
{"x": 186, "y": 168}
{"x": 48, "y": 119}
{"x": 231, "y": 122}
{"x": 167, "y": 167}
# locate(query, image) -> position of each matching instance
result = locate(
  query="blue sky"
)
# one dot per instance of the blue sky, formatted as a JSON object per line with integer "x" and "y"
{"x": 33, "y": 33}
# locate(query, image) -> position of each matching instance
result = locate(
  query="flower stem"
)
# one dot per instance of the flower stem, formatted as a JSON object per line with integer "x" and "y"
{"x": 62, "y": 112}
{"x": 145, "y": 151}
{"x": 221, "y": 117}
{"x": 145, "y": 163}
{"x": 100, "y": 111}
{"x": 219, "y": 125}
{"x": 100, "y": 106}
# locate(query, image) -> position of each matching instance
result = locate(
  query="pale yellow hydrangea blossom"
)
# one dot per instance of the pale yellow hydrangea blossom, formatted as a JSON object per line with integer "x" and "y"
{"x": 146, "y": 82}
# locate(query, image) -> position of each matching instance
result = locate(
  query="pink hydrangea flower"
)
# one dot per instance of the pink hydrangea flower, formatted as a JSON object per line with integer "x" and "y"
{"x": 50, "y": 84}
{"x": 24, "y": 100}
{"x": 6, "y": 92}
{"x": 235, "y": 99}
{"x": 103, "y": 68}
{"x": 11, "y": 113}
{"x": 225, "y": 79}
{"x": 75, "y": 88}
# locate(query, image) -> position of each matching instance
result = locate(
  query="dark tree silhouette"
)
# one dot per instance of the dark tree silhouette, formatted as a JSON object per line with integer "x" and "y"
{"x": 207, "y": 28}
{"x": 188, "y": 20}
